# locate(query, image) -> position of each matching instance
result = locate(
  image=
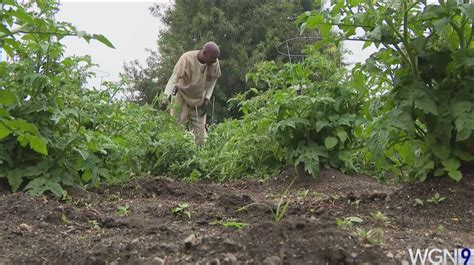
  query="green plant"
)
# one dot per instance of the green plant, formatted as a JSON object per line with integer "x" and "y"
{"x": 303, "y": 193}
{"x": 436, "y": 199}
{"x": 315, "y": 128}
{"x": 348, "y": 222}
{"x": 379, "y": 219}
{"x": 94, "y": 224}
{"x": 419, "y": 202}
{"x": 181, "y": 209}
{"x": 231, "y": 223}
{"x": 440, "y": 229}
{"x": 421, "y": 110}
{"x": 123, "y": 210}
{"x": 278, "y": 212}
{"x": 371, "y": 236}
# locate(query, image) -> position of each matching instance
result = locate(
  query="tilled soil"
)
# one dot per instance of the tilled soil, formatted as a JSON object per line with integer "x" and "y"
{"x": 235, "y": 223}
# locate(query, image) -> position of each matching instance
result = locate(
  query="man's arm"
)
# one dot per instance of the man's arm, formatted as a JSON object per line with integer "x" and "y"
{"x": 210, "y": 89}
{"x": 171, "y": 85}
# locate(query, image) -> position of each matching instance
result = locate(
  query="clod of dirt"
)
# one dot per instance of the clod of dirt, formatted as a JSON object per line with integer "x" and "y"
{"x": 231, "y": 245}
{"x": 155, "y": 261}
{"x": 230, "y": 259}
{"x": 26, "y": 227}
{"x": 191, "y": 241}
{"x": 230, "y": 201}
{"x": 273, "y": 260}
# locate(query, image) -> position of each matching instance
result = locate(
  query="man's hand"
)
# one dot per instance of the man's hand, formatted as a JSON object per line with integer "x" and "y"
{"x": 204, "y": 106}
{"x": 164, "y": 103}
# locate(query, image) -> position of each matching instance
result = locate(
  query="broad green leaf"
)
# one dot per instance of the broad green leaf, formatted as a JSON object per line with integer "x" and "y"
{"x": 469, "y": 9}
{"x": 442, "y": 151}
{"x": 451, "y": 164}
{"x": 38, "y": 144}
{"x": 330, "y": 142}
{"x": 314, "y": 21}
{"x": 427, "y": 105}
{"x": 434, "y": 11}
{"x": 355, "y": 219}
{"x": 21, "y": 14}
{"x": 461, "y": 108}
{"x": 321, "y": 124}
{"x": 4, "y": 131}
{"x": 87, "y": 175}
{"x": 22, "y": 125}
{"x": 403, "y": 120}
{"x": 103, "y": 39}
{"x": 7, "y": 97}
{"x": 15, "y": 178}
{"x": 40, "y": 185}
{"x": 455, "y": 175}
{"x": 342, "y": 136}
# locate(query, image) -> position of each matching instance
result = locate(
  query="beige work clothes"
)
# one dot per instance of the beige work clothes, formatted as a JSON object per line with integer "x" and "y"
{"x": 190, "y": 83}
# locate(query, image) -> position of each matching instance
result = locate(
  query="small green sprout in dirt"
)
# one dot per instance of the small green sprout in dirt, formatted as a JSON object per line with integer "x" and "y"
{"x": 181, "y": 210}
{"x": 440, "y": 229}
{"x": 303, "y": 193}
{"x": 123, "y": 210}
{"x": 379, "y": 219}
{"x": 318, "y": 196}
{"x": 94, "y": 224}
{"x": 280, "y": 211}
{"x": 270, "y": 195}
{"x": 231, "y": 223}
{"x": 436, "y": 199}
{"x": 66, "y": 198}
{"x": 348, "y": 221}
{"x": 355, "y": 203}
{"x": 371, "y": 236}
{"x": 64, "y": 219}
{"x": 419, "y": 202}
{"x": 281, "y": 208}
{"x": 115, "y": 197}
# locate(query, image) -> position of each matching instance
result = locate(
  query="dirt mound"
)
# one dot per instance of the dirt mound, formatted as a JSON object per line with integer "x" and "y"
{"x": 161, "y": 220}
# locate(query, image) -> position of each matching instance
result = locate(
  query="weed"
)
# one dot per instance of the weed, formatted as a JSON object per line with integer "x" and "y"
{"x": 419, "y": 202}
{"x": 436, "y": 199}
{"x": 282, "y": 207}
{"x": 123, "y": 210}
{"x": 94, "y": 224}
{"x": 303, "y": 193}
{"x": 181, "y": 210}
{"x": 231, "y": 223}
{"x": 348, "y": 221}
{"x": 379, "y": 219}
{"x": 371, "y": 236}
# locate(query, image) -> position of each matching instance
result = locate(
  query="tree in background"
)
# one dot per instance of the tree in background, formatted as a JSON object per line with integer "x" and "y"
{"x": 247, "y": 32}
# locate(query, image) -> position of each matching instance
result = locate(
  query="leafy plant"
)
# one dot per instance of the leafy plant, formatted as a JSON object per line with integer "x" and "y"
{"x": 232, "y": 223}
{"x": 181, "y": 210}
{"x": 371, "y": 236}
{"x": 123, "y": 210}
{"x": 420, "y": 81}
{"x": 348, "y": 222}
{"x": 379, "y": 219}
{"x": 94, "y": 224}
{"x": 419, "y": 202}
{"x": 314, "y": 128}
{"x": 436, "y": 199}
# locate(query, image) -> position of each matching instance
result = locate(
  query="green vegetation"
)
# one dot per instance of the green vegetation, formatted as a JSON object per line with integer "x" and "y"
{"x": 407, "y": 111}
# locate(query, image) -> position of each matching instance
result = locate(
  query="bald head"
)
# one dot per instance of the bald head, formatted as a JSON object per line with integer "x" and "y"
{"x": 210, "y": 52}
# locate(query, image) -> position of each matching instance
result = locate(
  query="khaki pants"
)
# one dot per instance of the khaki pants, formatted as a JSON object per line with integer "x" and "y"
{"x": 189, "y": 116}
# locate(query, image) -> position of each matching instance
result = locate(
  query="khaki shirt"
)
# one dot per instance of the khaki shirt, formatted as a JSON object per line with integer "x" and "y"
{"x": 194, "y": 80}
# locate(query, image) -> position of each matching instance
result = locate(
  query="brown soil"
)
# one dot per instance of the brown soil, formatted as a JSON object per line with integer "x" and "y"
{"x": 88, "y": 229}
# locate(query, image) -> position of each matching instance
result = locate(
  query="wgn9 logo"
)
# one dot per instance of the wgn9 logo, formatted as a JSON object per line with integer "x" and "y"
{"x": 460, "y": 256}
